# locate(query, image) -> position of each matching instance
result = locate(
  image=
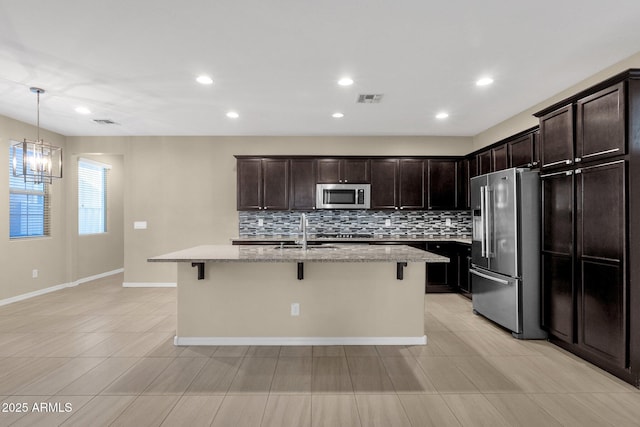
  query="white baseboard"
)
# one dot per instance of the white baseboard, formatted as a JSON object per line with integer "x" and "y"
{"x": 148, "y": 285}
{"x": 184, "y": 341}
{"x": 97, "y": 276}
{"x": 57, "y": 287}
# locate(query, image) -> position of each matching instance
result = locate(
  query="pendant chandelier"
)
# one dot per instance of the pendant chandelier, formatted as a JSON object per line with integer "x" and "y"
{"x": 36, "y": 161}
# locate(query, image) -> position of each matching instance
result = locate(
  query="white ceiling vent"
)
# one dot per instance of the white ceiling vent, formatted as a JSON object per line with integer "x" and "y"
{"x": 370, "y": 98}
{"x": 105, "y": 122}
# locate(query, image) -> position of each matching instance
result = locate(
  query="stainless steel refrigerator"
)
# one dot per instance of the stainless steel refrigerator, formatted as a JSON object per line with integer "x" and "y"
{"x": 505, "y": 250}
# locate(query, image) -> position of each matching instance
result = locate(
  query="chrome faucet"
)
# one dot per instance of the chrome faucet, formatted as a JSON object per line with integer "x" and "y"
{"x": 303, "y": 231}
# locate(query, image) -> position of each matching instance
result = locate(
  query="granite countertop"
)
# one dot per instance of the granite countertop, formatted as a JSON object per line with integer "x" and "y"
{"x": 399, "y": 239}
{"x": 321, "y": 253}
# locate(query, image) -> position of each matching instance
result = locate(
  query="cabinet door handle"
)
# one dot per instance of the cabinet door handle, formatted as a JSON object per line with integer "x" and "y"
{"x": 559, "y": 162}
{"x": 599, "y": 153}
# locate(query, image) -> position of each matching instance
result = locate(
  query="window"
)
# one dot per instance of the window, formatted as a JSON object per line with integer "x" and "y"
{"x": 92, "y": 196}
{"x": 28, "y": 204}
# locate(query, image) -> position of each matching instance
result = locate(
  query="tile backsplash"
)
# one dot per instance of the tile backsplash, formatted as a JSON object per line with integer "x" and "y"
{"x": 401, "y": 223}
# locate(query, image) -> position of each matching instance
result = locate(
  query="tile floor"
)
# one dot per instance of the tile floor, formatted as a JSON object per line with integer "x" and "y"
{"x": 100, "y": 354}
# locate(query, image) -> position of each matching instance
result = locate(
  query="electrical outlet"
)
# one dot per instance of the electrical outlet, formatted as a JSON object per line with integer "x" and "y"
{"x": 447, "y": 222}
{"x": 387, "y": 223}
{"x": 260, "y": 222}
{"x": 34, "y": 273}
{"x": 295, "y": 309}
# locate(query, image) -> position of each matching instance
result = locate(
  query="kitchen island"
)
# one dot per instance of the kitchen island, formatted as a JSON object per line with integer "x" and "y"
{"x": 281, "y": 295}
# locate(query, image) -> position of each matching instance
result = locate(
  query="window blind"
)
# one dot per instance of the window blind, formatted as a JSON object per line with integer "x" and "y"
{"x": 29, "y": 204}
{"x": 92, "y": 196}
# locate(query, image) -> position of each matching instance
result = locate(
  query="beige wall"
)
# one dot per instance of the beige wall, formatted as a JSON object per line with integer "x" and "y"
{"x": 19, "y": 257}
{"x": 525, "y": 119}
{"x": 95, "y": 254}
{"x": 64, "y": 257}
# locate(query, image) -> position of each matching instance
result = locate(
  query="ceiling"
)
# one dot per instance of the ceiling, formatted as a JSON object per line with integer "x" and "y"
{"x": 277, "y": 62}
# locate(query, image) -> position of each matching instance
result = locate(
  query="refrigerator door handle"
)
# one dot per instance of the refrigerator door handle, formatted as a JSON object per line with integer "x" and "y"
{"x": 483, "y": 212}
{"x": 486, "y": 276}
{"x": 487, "y": 222}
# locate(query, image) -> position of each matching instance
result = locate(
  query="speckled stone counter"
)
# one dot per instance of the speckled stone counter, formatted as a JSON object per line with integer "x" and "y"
{"x": 319, "y": 253}
{"x": 261, "y": 240}
{"x": 349, "y": 294}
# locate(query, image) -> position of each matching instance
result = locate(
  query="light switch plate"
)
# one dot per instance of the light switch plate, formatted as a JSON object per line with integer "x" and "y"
{"x": 140, "y": 225}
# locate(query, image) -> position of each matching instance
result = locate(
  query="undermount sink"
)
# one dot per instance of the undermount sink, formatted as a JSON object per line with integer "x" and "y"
{"x": 308, "y": 247}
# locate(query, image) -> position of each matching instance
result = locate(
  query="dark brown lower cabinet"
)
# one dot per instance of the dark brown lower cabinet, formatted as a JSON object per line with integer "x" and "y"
{"x": 464, "y": 264}
{"x": 558, "y": 311}
{"x": 601, "y": 236}
{"x": 583, "y": 262}
{"x": 443, "y": 277}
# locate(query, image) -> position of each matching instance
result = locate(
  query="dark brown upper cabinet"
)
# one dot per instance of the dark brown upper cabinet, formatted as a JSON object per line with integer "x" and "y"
{"x": 411, "y": 184}
{"x": 463, "y": 187}
{"x": 332, "y": 171}
{"x": 473, "y": 167}
{"x": 303, "y": 184}
{"x": 442, "y": 184}
{"x": 521, "y": 152}
{"x": 249, "y": 176}
{"x": 397, "y": 184}
{"x": 263, "y": 184}
{"x": 600, "y": 124}
{"x": 499, "y": 158}
{"x": 556, "y": 138}
{"x": 483, "y": 160}
{"x": 384, "y": 184}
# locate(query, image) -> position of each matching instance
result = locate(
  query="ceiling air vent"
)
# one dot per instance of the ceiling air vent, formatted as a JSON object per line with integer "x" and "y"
{"x": 370, "y": 99}
{"x": 105, "y": 122}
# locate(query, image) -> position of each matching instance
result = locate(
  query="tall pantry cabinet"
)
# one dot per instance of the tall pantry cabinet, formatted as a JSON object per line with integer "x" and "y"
{"x": 590, "y": 172}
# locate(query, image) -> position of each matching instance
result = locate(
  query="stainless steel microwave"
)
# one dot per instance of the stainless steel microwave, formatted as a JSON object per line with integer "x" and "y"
{"x": 343, "y": 196}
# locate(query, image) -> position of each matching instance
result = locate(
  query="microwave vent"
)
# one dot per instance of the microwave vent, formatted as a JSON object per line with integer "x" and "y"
{"x": 369, "y": 98}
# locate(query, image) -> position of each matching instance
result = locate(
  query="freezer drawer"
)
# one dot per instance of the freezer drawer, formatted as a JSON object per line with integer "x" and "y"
{"x": 496, "y": 297}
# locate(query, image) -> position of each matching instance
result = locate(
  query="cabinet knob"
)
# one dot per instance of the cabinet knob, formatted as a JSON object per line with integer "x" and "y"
{"x": 401, "y": 207}
{"x": 568, "y": 162}
{"x": 578, "y": 159}
{"x": 529, "y": 165}
{"x": 535, "y": 163}
{"x": 265, "y": 208}
{"x": 396, "y": 208}
{"x": 578, "y": 171}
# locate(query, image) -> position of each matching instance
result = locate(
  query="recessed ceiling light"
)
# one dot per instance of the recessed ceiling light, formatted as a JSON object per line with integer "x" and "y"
{"x": 485, "y": 81}
{"x": 204, "y": 80}
{"x": 83, "y": 110}
{"x": 442, "y": 115}
{"x": 233, "y": 115}
{"x": 345, "y": 81}
{"x": 337, "y": 115}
